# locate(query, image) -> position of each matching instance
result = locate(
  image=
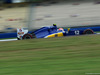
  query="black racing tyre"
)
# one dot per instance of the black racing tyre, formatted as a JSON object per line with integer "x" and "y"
{"x": 88, "y": 31}
{"x": 27, "y": 36}
{"x": 33, "y": 35}
{"x": 18, "y": 38}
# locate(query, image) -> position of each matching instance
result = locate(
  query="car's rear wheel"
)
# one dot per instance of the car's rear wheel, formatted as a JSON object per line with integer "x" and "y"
{"x": 88, "y": 31}
{"x": 27, "y": 36}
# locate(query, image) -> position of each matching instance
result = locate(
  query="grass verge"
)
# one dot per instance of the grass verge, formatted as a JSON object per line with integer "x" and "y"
{"x": 77, "y": 55}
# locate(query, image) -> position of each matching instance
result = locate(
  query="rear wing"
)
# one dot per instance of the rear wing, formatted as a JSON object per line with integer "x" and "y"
{"x": 21, "y": 32}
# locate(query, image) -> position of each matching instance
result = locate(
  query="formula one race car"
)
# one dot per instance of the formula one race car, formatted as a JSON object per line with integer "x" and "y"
{"x": 53, "y": 31}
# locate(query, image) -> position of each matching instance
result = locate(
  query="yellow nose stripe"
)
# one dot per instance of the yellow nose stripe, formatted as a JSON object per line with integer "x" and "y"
{"x": 56, "y": 35}
{"x": 52, "y": 35}
{"x": 60, "y": 34}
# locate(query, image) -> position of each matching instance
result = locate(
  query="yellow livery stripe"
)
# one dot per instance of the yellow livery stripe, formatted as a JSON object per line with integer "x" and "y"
{"x": 52, "y": 35}
{"x": 60, "y": 34}
{"x": 56, "y": 35}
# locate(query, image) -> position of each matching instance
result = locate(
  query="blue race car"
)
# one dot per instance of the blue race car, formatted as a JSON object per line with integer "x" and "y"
{"x": 53, "y": 31}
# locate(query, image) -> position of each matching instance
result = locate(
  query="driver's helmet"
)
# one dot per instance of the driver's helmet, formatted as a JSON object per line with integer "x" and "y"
{"x": 61, "y": 29}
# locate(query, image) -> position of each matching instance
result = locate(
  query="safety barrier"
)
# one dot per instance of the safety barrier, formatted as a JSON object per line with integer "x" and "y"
{"x": 8, "y": 35}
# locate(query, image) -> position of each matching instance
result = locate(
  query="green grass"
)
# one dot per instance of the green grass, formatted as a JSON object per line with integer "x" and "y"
{"x": 77, "y": 55}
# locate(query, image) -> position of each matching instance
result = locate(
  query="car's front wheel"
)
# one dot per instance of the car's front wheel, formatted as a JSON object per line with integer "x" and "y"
{"x": 27, "y": 36}
{"x": 18, "y": 38}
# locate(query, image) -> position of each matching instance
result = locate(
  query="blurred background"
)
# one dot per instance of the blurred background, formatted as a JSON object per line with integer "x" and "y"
{"x": 38, "y": 13}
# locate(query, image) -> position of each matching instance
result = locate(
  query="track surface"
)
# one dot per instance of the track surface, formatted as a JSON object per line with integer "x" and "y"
{"x": 8, "y": 40}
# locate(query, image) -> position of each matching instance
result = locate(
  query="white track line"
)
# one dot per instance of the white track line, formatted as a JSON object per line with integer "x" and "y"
{"x": 9, "y": 40}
